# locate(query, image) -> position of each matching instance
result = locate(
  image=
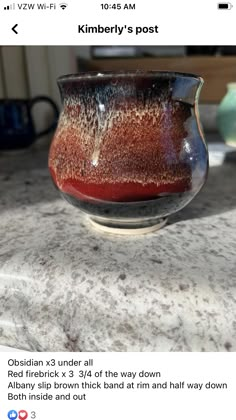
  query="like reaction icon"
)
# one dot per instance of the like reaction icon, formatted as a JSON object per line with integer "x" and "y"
{"x": 12, "y": 415}
{"x": 22, "y": 415}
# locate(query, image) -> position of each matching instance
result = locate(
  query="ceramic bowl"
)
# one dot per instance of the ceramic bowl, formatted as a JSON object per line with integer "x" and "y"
{"x": 129, "y": 150}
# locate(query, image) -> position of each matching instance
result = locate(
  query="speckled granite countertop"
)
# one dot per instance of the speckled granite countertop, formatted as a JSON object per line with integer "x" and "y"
{"x": 64, "y": 286}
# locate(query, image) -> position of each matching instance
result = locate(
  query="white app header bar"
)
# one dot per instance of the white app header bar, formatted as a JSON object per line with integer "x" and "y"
{"x": 121, "y": 22}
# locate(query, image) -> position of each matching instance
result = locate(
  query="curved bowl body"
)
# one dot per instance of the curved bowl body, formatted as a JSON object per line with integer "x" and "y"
{"x": 129, "y": 149}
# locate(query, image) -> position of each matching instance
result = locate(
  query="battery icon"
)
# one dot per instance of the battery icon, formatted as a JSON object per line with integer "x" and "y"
{"x": 225, "y": 6}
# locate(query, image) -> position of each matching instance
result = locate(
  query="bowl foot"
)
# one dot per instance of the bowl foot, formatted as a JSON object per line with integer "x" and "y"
{"x": 130, "y": 227}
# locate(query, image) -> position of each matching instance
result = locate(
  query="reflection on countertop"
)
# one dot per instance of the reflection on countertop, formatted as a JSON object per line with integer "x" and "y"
{"x": 66, "y": 287}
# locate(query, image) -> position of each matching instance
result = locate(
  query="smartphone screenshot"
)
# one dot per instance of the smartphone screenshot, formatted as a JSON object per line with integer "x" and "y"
{"x": 117, "y": 210}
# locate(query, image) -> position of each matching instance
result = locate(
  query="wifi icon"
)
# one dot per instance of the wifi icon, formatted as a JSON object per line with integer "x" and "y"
{"x": 63, "y": 5}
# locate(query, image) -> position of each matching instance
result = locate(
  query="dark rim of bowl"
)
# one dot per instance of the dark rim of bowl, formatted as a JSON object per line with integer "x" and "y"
{"x": 109, "y": 74}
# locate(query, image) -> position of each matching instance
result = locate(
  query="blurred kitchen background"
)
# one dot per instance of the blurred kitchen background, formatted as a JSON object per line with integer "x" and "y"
{"x": 26, "y": 72}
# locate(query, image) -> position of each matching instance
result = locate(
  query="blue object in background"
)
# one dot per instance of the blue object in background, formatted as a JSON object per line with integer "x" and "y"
{"x": 16, "y": 123}
{"x": 226, "y": 116}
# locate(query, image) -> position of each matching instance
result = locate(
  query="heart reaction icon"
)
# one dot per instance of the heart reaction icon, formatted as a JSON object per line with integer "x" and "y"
{"x": 22, "y": 415}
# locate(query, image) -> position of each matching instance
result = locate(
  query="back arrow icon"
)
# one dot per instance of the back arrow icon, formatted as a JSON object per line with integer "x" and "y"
{"x": 14, "y": 28}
